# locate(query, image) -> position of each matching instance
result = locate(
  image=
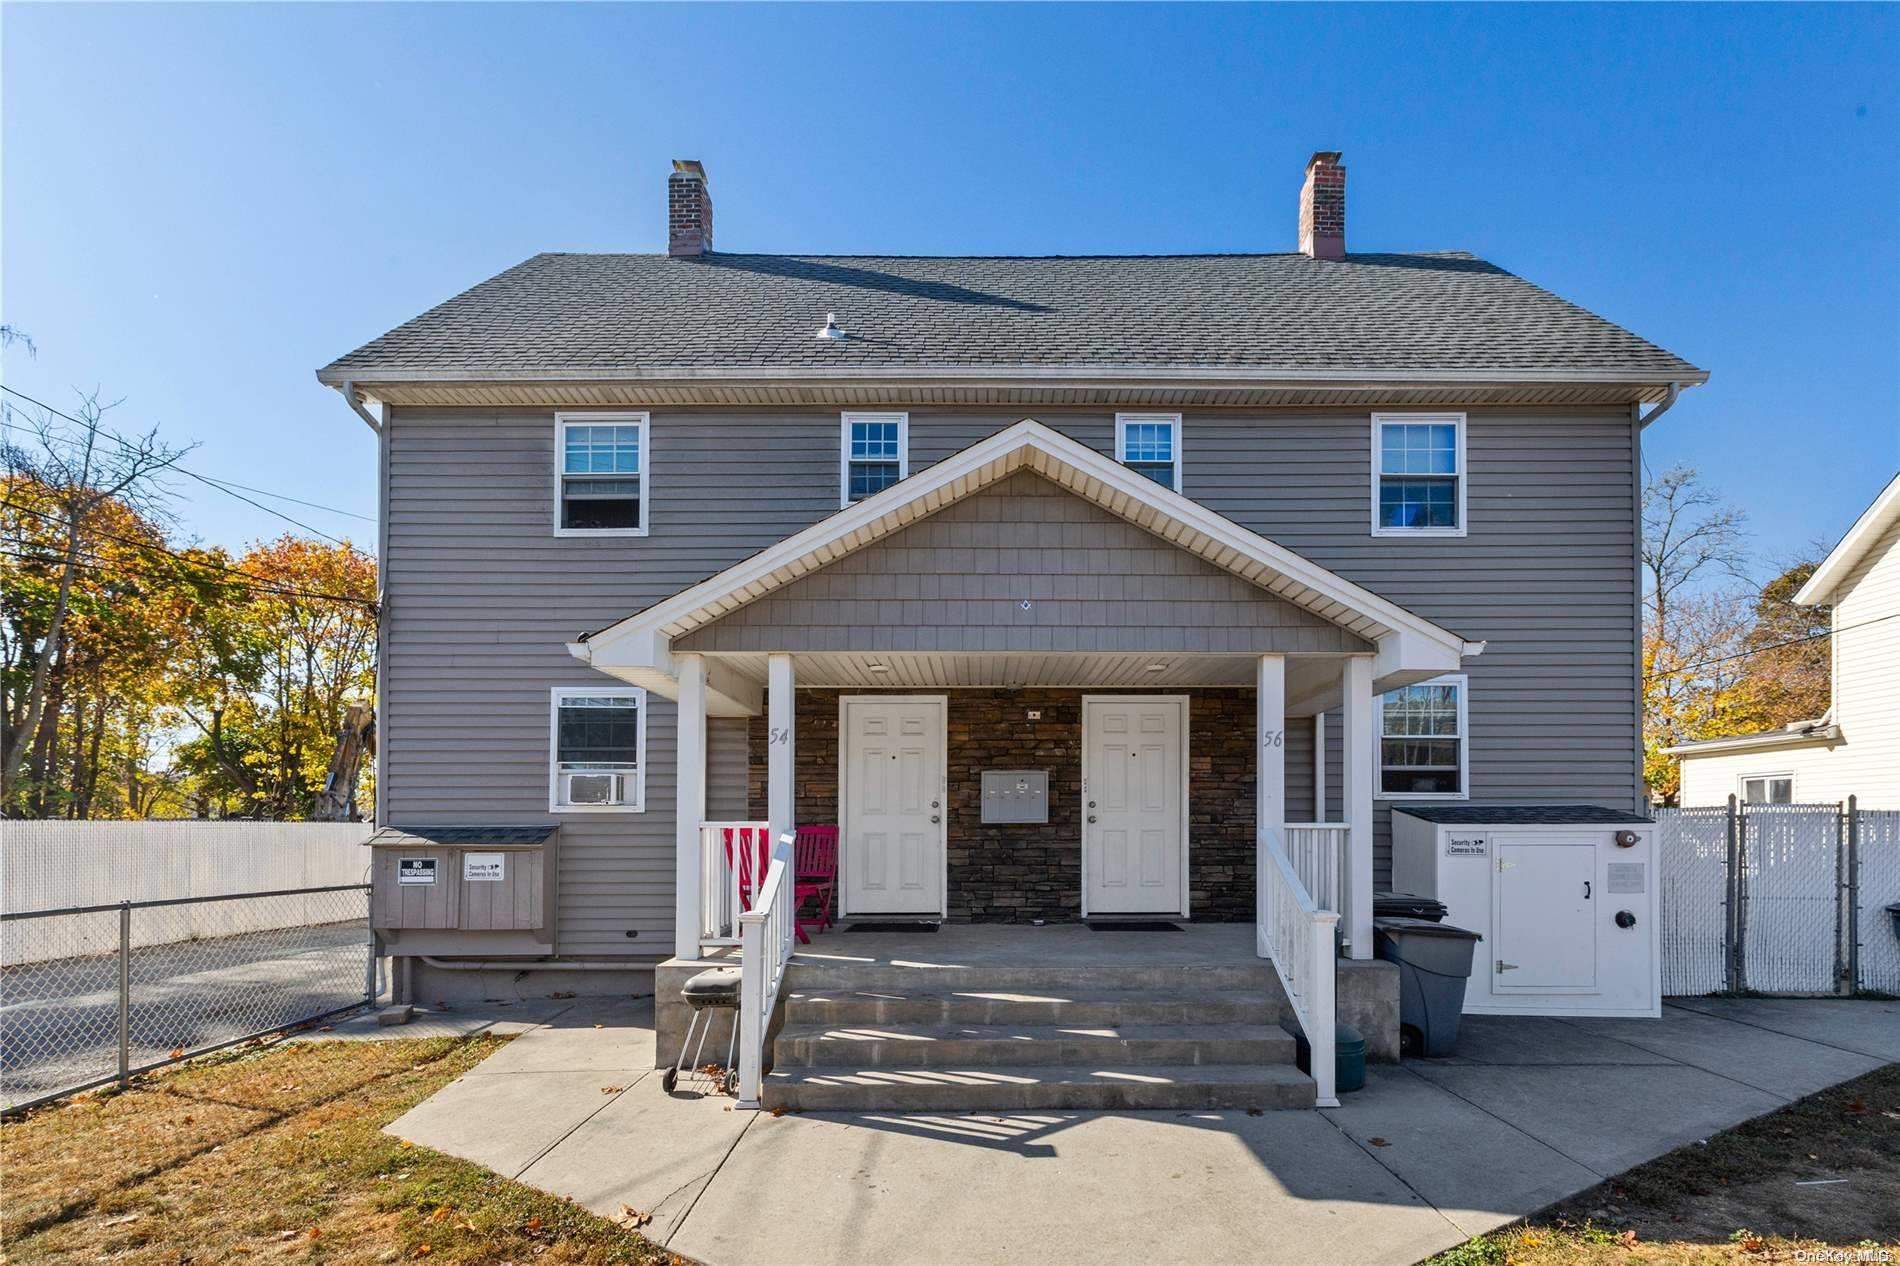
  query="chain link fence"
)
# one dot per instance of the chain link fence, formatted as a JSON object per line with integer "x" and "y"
{"x": 92, "y": 994}
{"x": 1779, "y": 899}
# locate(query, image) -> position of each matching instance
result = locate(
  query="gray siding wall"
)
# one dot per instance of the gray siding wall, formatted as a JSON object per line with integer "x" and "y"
{"x": 957, "y": 581}
{"x": 483, "y": 598}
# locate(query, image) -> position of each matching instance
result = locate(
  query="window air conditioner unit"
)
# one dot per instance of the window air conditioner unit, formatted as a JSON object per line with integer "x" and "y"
{"x": 595, "y": 788}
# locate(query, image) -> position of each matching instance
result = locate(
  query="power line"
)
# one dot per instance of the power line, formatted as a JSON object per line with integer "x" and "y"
{"x": 1775, "y": 646}
{"x": 94, "y": 564}
{"x": 208, "y": 481}
{"x": 186, "y": 559}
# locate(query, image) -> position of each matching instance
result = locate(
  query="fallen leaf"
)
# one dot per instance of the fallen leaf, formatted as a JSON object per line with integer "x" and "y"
{"x": 778, "y": 1111}
{"x": 611, "y": 1090}
{"x": 176, "y": 1052}
{"x": 630, "y": 1217}
{"x": 600, "y": 1026}
{"x": 407, "y": 1143}
{"x": 423, "y": 1250}
{"x": 130, "y": 1217}
{"x": 1376, "y": 1141}
{"x": 1627, "y": 1239}
{"x": 441, "y": 1211}
{"x": 562, "y": 993}
{"x": 534, "y": 1223}
{"x": 314, "y": 1232}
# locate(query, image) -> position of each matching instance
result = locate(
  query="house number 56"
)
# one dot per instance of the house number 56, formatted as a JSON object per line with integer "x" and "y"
{"x": 1273, "y": 738}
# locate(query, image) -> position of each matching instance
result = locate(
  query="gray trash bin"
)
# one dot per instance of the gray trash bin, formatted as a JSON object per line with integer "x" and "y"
{"x": 1434, "y": 962}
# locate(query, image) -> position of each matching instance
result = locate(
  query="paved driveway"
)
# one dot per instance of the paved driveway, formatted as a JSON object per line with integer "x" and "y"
{"x": 1427, "y": 1155}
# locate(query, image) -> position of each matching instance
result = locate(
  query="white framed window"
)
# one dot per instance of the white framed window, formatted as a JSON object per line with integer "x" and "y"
{"x": 874, "y": 453}
{"x": 600, "y": 474}
{"x": 1418, "y": 474}
{"x": 1424, "y": 748}
{"x": 597, "y": 748}
{"x": 1767, "y": 788}
{"x": 1150, "y": 444}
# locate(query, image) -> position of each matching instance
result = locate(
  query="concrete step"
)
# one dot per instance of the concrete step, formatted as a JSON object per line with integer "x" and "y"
{"x": 986, "y": 1046}
{"x": 1030, "y": 1006}
{"x": 806, "y": 975}
{"x": 1129, "y": 1088}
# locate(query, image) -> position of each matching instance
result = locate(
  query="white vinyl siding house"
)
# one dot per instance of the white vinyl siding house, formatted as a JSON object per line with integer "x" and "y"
{"x": 1854, "y": 750}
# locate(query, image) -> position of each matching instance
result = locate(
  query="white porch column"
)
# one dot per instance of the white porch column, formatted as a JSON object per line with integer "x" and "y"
{"x": 781, "y": 760}
{"x": 1319, "y": 767}
{"x": 1269, "y": 801}
{"x": 1356, "y": 739}
{"x": 690, "y": 806}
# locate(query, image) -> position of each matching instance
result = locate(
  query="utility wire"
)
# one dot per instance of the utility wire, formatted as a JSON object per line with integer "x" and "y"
{"x": 186, "y": 559}
{"x": 100, "y": 566}
{"x": 1775, "y": 646}
{"x": 206, "y": 480}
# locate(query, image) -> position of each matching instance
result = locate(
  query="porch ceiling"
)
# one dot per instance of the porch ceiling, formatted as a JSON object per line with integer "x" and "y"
{"x": 1312, "y": 681}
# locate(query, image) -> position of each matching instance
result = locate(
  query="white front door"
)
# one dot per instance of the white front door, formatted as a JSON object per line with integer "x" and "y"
{"x": 1134, "y": 805}
{"x": 891, "y": 791}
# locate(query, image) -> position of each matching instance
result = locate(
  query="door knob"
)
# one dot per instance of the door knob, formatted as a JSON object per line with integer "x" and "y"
{"x": 935, "y": 818}
{"x": 933, "y": 804}
{"x": 1091, "y": 804}
{"x": 1091, "y": 817}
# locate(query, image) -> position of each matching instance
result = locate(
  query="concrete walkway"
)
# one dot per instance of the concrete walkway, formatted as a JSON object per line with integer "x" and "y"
{"x": 1430, "y": 1153}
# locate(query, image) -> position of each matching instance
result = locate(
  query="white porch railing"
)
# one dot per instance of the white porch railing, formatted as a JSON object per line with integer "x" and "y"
{"x": 765, "y": 946}
{"x": 1318, "y": 853}
{"x": 727, "y": 853}
{"x": 1299, "y": 937}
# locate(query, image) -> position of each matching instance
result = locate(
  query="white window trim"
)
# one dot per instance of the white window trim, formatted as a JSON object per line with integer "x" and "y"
{"x": 1742, "y": 781}
{"x": 1121, "y": 438}
{"x": 564, "y": 420}
{"x": 1464, "y": 478}
{"x": 1463, "y": 682}
{"x": 638, "y": 694}
{"x": 844, "y": 448}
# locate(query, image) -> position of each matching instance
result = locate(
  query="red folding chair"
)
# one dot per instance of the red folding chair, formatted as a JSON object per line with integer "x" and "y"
{"x": 815, "y": 867}
{"x": 751, "y": 855}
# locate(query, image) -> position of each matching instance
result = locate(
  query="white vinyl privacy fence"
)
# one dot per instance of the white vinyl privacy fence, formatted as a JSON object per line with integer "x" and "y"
{"x": 1779, "y": 899}
{"x": 54, "y": 865}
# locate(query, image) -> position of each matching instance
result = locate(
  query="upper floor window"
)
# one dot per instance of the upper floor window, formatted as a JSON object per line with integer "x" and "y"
{"x": 1150, "y": 444}
{"x": 1422, "y": 740}
{"x": 600, "y": 474}
{"x": 876, "y": 454}
{"x": 1418, "y": 474}
{"x": 597, "y": 750}
{"x": 1768, "y": 789}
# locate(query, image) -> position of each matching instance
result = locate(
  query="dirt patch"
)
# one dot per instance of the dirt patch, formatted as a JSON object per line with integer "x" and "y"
{"x": 1821, "y": 1173}
{"x": 277, "y": 1154}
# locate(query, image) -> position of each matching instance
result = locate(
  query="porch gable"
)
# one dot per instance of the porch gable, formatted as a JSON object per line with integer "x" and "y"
{"x": 1024, "y": 565}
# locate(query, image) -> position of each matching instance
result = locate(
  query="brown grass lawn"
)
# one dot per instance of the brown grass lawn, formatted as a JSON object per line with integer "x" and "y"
{"x": 1770, "y": 1190}
{"x": 275, "y": 1154}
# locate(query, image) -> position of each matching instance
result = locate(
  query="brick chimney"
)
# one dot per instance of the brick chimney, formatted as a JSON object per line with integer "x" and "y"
{"x": 688, "y": 209}
{"x": 1323, "y": 207}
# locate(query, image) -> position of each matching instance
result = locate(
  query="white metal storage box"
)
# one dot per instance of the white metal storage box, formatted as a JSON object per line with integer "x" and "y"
{"x": 1565, "y": 897}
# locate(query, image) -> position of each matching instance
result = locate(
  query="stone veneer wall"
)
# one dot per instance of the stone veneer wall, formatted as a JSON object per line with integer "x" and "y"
{"x": 1022, "y": 872}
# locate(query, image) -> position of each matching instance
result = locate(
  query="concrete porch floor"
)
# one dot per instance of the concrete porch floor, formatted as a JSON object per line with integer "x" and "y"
{"x": 1026, "y": 945}
{"x": 1529, "y": 1111}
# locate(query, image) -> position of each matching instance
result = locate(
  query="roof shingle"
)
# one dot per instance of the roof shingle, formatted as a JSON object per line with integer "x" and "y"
{"x": 1441, "y": 313}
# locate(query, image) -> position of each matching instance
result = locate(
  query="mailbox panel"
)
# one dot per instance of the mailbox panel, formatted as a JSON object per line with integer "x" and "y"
{"x": 1015, "y": 795}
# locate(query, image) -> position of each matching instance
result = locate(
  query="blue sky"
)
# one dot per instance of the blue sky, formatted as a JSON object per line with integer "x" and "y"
{"x": 201, "y": 205}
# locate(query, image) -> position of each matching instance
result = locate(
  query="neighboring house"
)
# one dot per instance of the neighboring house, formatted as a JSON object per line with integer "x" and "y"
{"x": 1208, "y": 541}
{"x": 1854, "y": 748}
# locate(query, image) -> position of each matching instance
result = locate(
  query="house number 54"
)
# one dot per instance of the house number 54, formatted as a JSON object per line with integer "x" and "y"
{"x": 779, "y": 736}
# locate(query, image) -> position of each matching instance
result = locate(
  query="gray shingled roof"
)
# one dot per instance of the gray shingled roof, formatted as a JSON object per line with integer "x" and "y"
{"x": 1441, "y": 313}
{"x": 1522, "y": 814}
{"x": 461, "y": 836}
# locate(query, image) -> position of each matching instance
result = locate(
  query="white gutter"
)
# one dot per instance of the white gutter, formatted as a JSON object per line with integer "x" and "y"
{"x": 1668, "y": 402}
{"x": 349, "y": 397}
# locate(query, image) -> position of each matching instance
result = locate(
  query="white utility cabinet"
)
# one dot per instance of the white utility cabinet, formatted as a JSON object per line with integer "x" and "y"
{"x": 1565, "y": 897}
